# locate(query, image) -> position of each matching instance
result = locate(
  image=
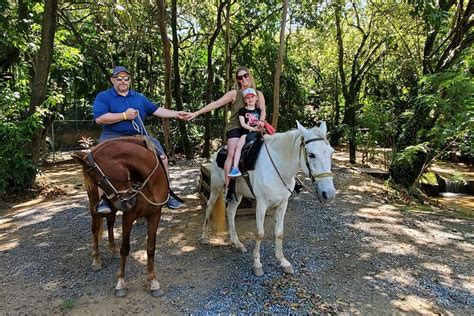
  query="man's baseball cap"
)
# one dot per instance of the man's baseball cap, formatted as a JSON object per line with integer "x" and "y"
{"x": 249, "y": 91}
{"x": 118, "y": 70}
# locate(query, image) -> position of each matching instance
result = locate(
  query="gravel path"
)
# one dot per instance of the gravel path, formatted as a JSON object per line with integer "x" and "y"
{"x": 359, "y": 255}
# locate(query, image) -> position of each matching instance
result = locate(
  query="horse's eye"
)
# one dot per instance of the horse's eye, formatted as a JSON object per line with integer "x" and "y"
{"x": 311, "y": 155}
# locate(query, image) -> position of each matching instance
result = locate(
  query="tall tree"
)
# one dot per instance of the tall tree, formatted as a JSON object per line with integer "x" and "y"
{"x": 41, "y": 69}
{"x": 167, "y": 58}
{"x": 278, "y": 66}
{"x": 368, "y": 53}
{"x": 228, "y": 62}
{"x": 177, "y": 82}
{"x": 210, "y": 78}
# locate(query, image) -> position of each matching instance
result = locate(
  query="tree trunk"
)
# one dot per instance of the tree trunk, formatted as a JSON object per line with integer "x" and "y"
{"x": 167, "y": 59}
{"x": 177, "y": 83}
{"x": 210, "y": 80}
{"x": 278, "y": 67}
{"x": 336, "y": 130}
{"x": 228, "y": 67}
{"x": 41, "y": 68}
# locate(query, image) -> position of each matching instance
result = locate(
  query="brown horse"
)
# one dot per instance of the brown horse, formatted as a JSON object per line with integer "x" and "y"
{"x": 135, "y": 181}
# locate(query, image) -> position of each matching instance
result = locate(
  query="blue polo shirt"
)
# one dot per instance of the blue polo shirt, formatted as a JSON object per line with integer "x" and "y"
{"x": 109, "y": 101}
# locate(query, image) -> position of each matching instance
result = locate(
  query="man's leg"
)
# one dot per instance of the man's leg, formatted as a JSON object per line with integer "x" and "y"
{"x": 104, "y": 205}
{"x": 172, "y": 202}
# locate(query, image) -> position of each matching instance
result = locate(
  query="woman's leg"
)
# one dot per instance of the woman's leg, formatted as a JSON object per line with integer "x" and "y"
{"x": 231, "y": 146}
{"x": 238, "y": 150}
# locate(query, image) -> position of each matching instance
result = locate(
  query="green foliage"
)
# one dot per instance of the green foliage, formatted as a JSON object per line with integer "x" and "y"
{"x": 448, "y": 96}
{"x": 410, "y": 155}
{"x": 429, "y": 178}
{"x": 17, "y": 170}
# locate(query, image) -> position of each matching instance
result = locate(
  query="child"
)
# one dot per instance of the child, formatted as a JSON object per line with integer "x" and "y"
{"x": 249, "y": 117}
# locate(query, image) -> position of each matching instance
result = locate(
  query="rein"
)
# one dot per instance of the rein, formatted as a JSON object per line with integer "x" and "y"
{"x": 276, "y": 169}
{"x": 314, "y": 176}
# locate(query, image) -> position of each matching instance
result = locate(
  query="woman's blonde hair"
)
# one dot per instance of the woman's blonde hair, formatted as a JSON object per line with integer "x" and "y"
{"x": 252, "y": 80}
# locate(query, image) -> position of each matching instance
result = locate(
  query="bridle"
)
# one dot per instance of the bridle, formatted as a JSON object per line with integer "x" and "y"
{"x": 126, "y": 194}
{"x": 313, "y": 175}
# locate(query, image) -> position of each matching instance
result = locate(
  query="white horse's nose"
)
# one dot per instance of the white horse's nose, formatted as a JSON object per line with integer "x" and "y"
{"x": 326, "y": 191}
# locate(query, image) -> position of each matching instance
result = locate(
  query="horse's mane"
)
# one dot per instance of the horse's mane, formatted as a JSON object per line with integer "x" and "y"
{"x": 287, "y": 143}
{"x": 282, "y": 140}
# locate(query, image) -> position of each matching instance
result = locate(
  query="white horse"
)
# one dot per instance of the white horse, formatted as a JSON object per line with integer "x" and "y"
{"x": 282, "y": 156}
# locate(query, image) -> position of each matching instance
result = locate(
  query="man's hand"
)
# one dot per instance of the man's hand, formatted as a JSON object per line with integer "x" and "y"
{"x": 182, "y": 115}
{"x": 131, "y": 114}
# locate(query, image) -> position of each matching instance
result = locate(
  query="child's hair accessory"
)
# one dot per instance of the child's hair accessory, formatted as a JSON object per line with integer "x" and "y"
{"x": 249, "y": 91}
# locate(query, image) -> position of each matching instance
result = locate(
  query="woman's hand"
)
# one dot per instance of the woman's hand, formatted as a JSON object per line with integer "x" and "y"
{"x": 191, "y": 116}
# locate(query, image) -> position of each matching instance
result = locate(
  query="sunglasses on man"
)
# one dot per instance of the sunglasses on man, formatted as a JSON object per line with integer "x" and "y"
{"x": 243, "y": 76}
{"x": 120, "y": 78}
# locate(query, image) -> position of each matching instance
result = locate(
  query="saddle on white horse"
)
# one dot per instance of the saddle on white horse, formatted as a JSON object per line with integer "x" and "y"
{"x": 250, "y": 151}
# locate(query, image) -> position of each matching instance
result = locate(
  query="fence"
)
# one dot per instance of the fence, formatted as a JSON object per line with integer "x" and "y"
{"x": 66, "y": 135}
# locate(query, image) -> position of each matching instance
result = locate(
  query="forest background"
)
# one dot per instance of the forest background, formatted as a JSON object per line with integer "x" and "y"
{"x": 386, "y": 74}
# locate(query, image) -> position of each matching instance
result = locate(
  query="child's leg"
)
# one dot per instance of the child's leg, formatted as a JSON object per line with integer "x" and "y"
{"x": 238, "y": 150}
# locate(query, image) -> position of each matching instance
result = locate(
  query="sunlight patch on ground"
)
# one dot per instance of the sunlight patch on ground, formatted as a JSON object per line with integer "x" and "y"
{"x": 188, "y": 248}
{"x": 397, "y": 248}
{"x": 33, "y": 202}
{"x": 441, "y": 270}
{"x": 140, "y": 256}
{"x": 5, "y": 246}
{"x": 177, "y": 238}
{"x": 399, "y": 276}
{"x": 218, "y": 241}
{"x": 6, "y": 223}
{"x": 414, "y": 304}
{"x": 387, "y": 216}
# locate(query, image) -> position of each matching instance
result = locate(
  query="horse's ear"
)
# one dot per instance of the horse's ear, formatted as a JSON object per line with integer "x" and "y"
{"x": 323, "y": 128}
{"x": 80, "y": 157}
{"x": 301, "y": 128}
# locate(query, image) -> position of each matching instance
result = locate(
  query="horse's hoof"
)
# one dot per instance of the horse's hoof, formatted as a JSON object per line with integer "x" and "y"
{"x": 120, "y": 292}
{"x": 204, "y": 241}
{"x": 242, "y": 249}
{"x": 157, "y": 293}
{"x": 96, "y": 266}
{"x": 258, "y": 271}
{"x": 288, "y": 269}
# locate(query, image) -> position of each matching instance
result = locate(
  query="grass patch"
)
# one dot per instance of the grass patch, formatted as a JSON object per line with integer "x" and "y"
{"x": 68, "y": 304}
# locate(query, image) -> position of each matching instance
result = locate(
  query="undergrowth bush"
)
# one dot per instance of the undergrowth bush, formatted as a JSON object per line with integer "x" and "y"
{"x": 17, "y": 169}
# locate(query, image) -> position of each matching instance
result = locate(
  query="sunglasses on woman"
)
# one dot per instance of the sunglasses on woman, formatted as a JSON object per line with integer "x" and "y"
{"x": 243, "y": 76}
{"x": 119, "y": 78}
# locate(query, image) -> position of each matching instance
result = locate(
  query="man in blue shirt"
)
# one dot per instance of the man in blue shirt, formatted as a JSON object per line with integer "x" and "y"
{"x": 118, "y": 108}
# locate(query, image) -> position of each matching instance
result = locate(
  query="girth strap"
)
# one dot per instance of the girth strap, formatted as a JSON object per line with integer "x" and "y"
{"x": 245, "y": 175}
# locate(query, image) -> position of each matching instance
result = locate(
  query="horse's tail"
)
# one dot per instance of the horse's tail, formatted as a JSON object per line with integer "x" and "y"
{"x": 218, "y": 215}
{"x": 218, "y": 221}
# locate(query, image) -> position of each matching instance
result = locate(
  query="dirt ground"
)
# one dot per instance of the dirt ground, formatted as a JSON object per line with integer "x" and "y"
{"x": 367, "y": 253}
